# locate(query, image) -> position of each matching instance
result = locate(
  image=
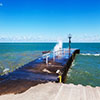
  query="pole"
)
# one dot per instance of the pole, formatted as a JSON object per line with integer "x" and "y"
{"x": 69, "y": 43}
{"x": 47, "y": 60}
{"x": 53, "y": 56}
{"x": 69, "y": 46}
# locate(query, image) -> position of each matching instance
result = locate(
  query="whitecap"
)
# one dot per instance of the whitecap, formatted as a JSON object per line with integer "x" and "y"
{"x": 89, "y": 54}
{"x": 6, "y": 70}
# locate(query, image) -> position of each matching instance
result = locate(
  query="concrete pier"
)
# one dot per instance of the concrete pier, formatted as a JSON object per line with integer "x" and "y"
{"x": 38, "y": 71}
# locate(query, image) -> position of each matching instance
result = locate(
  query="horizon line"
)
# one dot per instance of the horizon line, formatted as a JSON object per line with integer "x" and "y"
{"x": 47, "y": 42}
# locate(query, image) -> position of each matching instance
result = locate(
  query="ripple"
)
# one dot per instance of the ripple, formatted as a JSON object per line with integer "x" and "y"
{"x": 13, "y": 61}
{"x": 85, "y": 70}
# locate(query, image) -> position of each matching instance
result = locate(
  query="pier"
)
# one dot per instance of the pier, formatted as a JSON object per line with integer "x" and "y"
{"x": 50, "y": 67}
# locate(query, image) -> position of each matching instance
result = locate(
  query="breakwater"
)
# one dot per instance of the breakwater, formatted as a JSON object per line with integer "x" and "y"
{"x": 41, "y": 70}
{"x": 68, "y": 64}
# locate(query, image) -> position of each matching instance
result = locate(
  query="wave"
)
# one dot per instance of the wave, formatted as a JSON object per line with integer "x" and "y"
{"x": 73, "y": 63}
{"x": 89, "y": 54}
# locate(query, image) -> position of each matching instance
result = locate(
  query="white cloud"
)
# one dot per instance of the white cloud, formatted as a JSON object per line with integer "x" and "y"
{"x": 1, "y": 4}
{"x": 84, "y": 37}
{"x": 46, "y": 38}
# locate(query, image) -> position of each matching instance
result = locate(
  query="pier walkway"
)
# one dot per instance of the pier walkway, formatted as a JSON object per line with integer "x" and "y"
{"x": 38, "y": 71}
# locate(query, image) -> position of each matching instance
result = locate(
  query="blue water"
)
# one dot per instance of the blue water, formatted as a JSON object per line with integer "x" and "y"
{"x": 15, "y": 55}
{"x": 85, "y": 69}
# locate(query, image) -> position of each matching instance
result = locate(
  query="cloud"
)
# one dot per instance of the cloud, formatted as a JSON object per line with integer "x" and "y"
{"x": 86, "y": 38}
{"x": 40, "y": 38}
{"x": 21, "y": 38}
{"x": 1, "y": 4}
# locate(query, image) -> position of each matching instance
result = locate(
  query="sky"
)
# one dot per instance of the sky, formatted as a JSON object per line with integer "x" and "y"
{"x": 49, "y": 20}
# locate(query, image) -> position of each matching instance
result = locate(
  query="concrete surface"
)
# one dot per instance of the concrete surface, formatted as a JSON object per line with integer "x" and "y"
{"x": 56, "y": 91}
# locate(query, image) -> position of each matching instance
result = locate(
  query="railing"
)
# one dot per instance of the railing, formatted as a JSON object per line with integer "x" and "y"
{"x": 56, "y": 54}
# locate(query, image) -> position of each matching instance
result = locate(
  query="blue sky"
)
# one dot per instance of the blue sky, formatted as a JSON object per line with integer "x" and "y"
{"x": 49, "y": 20}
